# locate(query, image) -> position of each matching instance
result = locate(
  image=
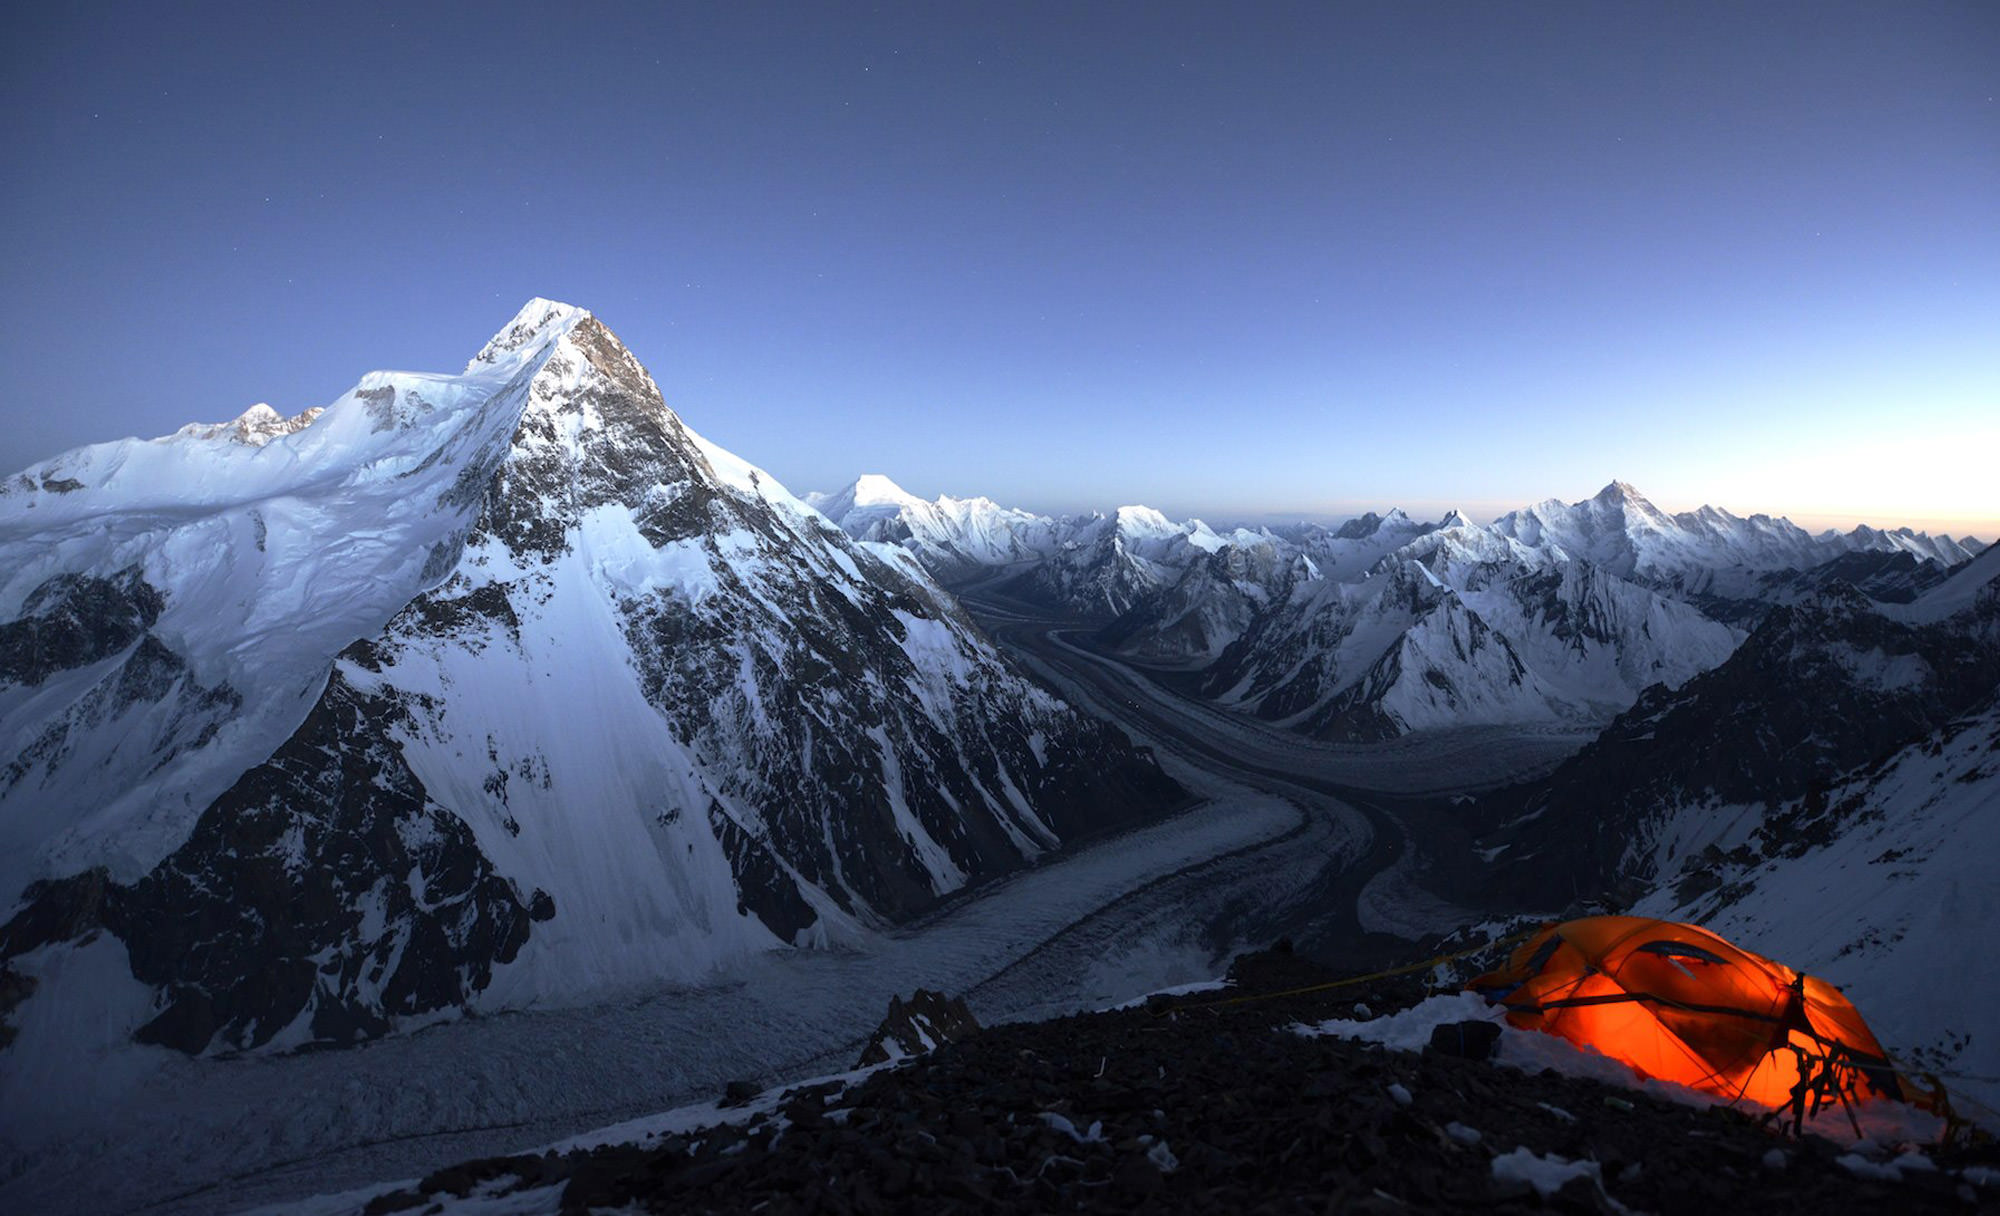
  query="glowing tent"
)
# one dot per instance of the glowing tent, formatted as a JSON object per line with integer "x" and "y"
{"x": 1680, "y": 1004}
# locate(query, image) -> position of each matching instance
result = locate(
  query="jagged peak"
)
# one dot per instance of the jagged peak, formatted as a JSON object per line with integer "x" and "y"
{"x": 1454, "y": 518}
{"x": 539, "y": 322}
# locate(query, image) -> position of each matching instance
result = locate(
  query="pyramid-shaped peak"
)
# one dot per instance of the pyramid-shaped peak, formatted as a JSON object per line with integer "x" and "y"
{"x": 1619, "y": 492}
{"x": 539, "y": 322}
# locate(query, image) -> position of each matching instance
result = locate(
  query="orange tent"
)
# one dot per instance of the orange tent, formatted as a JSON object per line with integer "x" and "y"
{"x": 1678, "y": 1003}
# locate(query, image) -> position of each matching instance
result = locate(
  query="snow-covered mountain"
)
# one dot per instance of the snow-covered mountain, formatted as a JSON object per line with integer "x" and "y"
{"x": 1103, "y": 566}
{"x": 1556, "y": 613}
{"x": 1093, "y": 566}
{"x": 483, "y": 690}
{"x": 1406, "y": 650}
{"x": 1348, "y": 552}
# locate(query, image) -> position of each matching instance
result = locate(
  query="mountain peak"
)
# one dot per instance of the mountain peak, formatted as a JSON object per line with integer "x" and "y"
{"x": 1619, "y": 492}
{"x": 539, "y": 322}
{"x": 1144, "y": 520}
{"x": 876, "y": 489}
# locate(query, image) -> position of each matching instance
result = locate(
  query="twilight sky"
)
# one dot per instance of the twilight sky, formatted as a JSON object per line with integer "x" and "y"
{"x": 1224, "y": 260}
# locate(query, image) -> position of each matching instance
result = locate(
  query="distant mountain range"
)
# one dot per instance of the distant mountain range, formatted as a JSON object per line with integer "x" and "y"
{"x": 1558, "y": 613}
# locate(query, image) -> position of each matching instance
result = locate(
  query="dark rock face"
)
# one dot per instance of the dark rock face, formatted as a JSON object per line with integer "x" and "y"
{"x": 817, "y": 772}
{"x": 1818, "y": 689}
{"x": 74, "y": 620}
{"x": 324, "y": 883}
{"x": 1096, "y": 577}
{"x": 150, "y": 674}
{"x": 926, "y": 1022}
{"x": 1888, "y": 578}
{"x": 588, "y": 440}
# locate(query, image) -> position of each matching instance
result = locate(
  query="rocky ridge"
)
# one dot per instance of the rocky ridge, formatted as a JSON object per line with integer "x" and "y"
{"x": 1205, "y": 1103}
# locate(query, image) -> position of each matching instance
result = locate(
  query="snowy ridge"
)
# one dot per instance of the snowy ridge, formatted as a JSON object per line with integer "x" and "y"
{"x": 951, "y": 536}
{"x": 1973, "y": 587}
{"x": 1703, "y": 550}
{"x": 267, "y": 559}
{"x": 256, "y": 426}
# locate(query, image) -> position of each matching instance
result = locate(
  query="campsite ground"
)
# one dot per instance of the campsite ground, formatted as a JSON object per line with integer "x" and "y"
{"x": 1208, "y": 1102}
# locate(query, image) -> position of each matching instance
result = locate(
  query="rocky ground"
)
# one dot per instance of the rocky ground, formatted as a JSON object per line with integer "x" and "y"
{"x": 1210, "y": 1103}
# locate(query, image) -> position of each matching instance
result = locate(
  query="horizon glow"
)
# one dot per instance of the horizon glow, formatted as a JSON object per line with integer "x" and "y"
{"x": 1310, "y": 261}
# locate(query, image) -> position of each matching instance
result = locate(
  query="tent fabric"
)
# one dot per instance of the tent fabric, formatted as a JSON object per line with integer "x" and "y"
{"x": 1680, "y": 1004}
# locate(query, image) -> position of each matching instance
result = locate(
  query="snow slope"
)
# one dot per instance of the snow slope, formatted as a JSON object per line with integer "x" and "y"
{"x": 1818, "y": 689}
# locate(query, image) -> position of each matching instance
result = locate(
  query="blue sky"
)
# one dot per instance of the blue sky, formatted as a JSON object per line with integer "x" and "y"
{"x": 1224, "y": 260}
